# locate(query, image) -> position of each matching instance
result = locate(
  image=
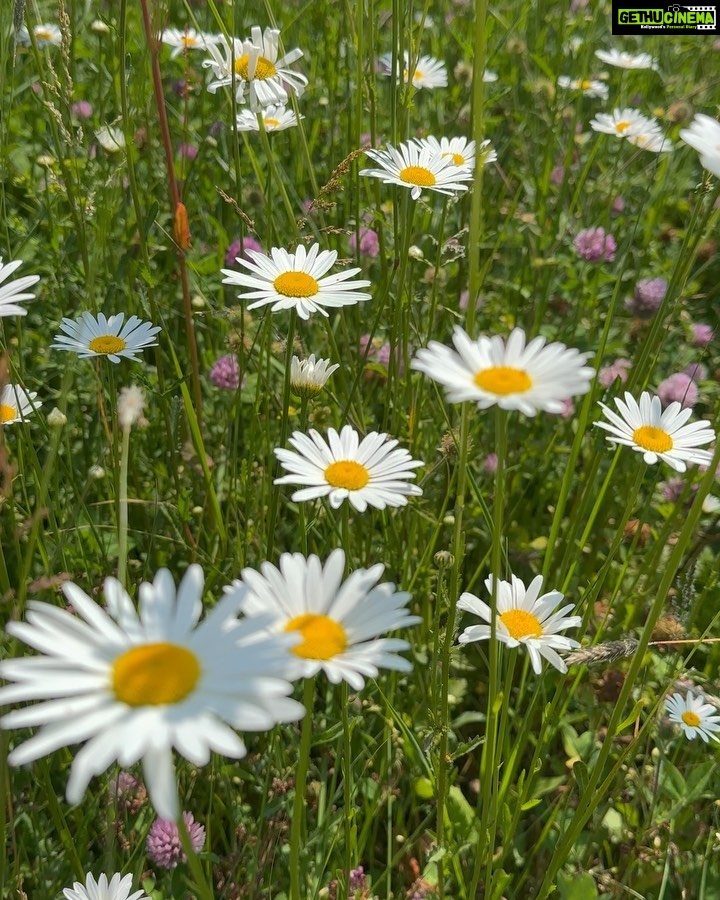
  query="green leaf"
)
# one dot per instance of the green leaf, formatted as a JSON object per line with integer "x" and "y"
{"x": 576, "y": 887}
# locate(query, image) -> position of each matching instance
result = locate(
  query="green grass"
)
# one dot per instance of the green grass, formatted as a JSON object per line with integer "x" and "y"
{"x": 469, "y": 773}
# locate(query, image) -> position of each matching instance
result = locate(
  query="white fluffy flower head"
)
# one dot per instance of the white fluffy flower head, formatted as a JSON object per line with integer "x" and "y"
{"x": 295, "y": 281}
{"x": 134, "y": 686}
{"x": 339, "y": 623}
{"x": 510, "y": 374}
{"x": 14, "y": 292}
{"x": 524, "y": 617}
{"x": 371, "y": 472}
{"x": 656, "y": 433}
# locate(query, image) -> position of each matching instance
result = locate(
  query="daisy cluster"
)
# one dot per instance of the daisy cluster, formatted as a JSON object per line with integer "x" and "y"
{"x": 260, "y": 76}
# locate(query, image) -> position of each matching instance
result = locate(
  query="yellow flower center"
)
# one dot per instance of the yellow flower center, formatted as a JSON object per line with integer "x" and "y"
{"x": 620, "y": 127}
{"x": 418, "y": 175}
{"x": 585, "y": 85}
{"x": 296, "y": 284}
{"x": 271, "y": 123}
{"x": 107, "y": 343}
{"x": 155, "y": 675}
{"x": 323, "y": 638}
{"x": 7, "y": 413}
{"x": 654, "y": 439}
{"x": 457, "y": 158}
{"x": 348, "y": 474}
{"x": 42, "y": 34}
{"x": 418, "y": 75}
{"x": 188, "y": 40}
{"x": 263, "y": 68}
{"x": 690, "y": 718}
{"x": 521, "y": 624}
{"x": 503, "y": 380}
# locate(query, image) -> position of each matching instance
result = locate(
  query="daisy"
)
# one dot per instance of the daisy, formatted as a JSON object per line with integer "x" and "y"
{"x": 651, "y": 139}
{"x": 45, "y": 35}
{"x": 368, "y": 472}
{"x": 589, "y": 87}
{"x": 309, "y": 376}
{"x": 657, "y": 434}
{"x": 703, "y": 135}
{"x": 461, "y": 151}
{"x": 513, "y": 375}
{"x": 428, "y": 72}
{"x": 623, "y": 122}
{"x": 16, "y": 404}
{"x": 339, "y": 623}
{"x": 189, "y": 39}
{"x": 694, "y": 716}
{"x": 135, "y": 686}
{"x": 253, "y": 67}
{"x": 99, "y": 336}
{"x": 118, "y": 889}
{"x": 623, "y": 60}
{"x": 417, "y": 166}
{"x": 13, "y": 293}
{"x": 524, "y": 616}
{"x": 294, "y": 281}
{"x": 274, "y": 118}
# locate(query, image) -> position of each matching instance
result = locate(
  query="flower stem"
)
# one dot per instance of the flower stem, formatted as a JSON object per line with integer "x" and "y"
{"x": 301, "y": 770}
{"x": 123, "y": 507}
{"x": 204, "y": 890}
{"x": 283, "y": 430}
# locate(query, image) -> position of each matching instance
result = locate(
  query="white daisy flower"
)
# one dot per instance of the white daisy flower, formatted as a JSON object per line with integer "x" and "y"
{"x": 526, "y": 617}
{"x": 489, "y": 76}
{"x": 309, "y": 376}
{"x": 189, "y": 39}
{"x": 370, "y": 472}
{"x": 703, "y": 135}
{"x": 16, "y": 404}
{"x": 417, "y": 166}
{"x": 135, "y": 686}
{"x": 656, "y": 434}
{"x": 461, "y": 151}
{"x": 428, "y": 72}
{"x": 511, "y": 375}
{"x": 101, "y": 336}
{"x": 252, "y": 65}
{"x": 651, "y": 139}
{"x": 117, "y": 889}
{"x": 274, "y": 118}
{"x": 14, "y": 292}
{"x": 45, "y": 35}
{"x": 339, "y": 623}
{"x": 623, "y": 60}
{"x": 623, "y": 122}
{"x": 111, "y": 138}
{"x": 589, "y": 87}
{"x": 294, "y": 281}
{"x": 694, "y": 716}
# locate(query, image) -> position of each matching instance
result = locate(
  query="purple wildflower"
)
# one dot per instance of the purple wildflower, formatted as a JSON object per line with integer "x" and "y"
{"x": 678, "y": 387}
{"x": 594, "y": 245}
{"x": 490, "y": 464}
{"x": 702, "y": 334}
{"x": 369, "y": 244}
{"x": 357, "y": 880}
{"x": 188, "y": 151}
{"x": 225, "y": 373}
{"x": 82, "y": 109}
{"x": 163, "y": 841}
{"x": 618, "y": 369}
{"x": 697, "y": 371}
{"x": 647, "y": 298}
{"x": 671, "y": 490}
{"x": 240, "y": 248}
